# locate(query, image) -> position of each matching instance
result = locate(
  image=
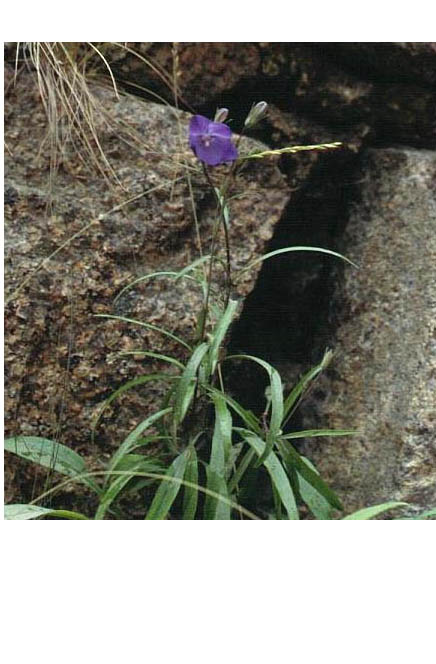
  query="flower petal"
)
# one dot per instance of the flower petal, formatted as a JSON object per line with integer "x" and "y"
{"x": 198, "y": 125}
{"x": 220, "y": 129}
{"x": 220, "y": 151}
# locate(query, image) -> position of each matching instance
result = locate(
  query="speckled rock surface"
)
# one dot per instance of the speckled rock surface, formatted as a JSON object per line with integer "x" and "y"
{"x": 61, "y": 361}
{"x": 388, "y": 86}
{"x": 383, "y": 380}
{"x": 400, "y": 61}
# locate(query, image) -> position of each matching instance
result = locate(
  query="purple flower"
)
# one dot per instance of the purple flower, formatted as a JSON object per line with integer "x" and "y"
{"x": 211, "y": 141}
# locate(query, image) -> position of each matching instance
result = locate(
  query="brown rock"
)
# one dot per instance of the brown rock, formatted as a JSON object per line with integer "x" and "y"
{"x": 382, "y": 382}
{"x": 61, "y": 360}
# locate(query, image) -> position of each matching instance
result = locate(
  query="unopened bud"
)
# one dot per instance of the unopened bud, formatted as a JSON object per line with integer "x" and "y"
{"x": 221, "y": 114}
{"x": 257, "y": 112}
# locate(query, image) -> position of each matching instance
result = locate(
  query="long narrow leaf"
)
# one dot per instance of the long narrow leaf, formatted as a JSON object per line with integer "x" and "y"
{"x": 167, "y": 491}
{"x": 220, "y": 452}
{"x": 216, "y": 507}
{"x": 219, "y": 333}
{"x": 157, "y": 356}
{"x": 289, "y": 249}
{"x": 246, "y": 415}
{"x": 370, "y": 512}
{"x": 304, "y": 382}
{"x": 132, "y": 463}
{"x": 190, "y": 496}
{"x": 277, "y": 406}
{"x": 186, "y": 386}
{"x": 141, "y": 380}
{"x": 166, "y": 273}
{"x": 192, "y": 266}
{"x": 149, "y": 326}
{"x": 313, "y": 433}
{"x": 21, "y": 512}
{"x": 276, "y": 472}
{"x": 292, "y": 458}
{"x": 241, "y": 469}
{"x": 133, "y": 439}
{"x": 50, "y": 454}
{"x": 318, "y": 505}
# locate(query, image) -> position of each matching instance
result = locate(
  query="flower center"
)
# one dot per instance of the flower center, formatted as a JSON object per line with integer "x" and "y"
{"x": 207, "y": 140}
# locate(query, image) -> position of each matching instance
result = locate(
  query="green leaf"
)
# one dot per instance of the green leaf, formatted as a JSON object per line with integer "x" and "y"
{"x": 220, "y": 453}
{"x": 241, "y": 469}
{"x": 431, "y": 514}
{"x": 168, "y": 489}
{"x": 192, "y": 266}
{"x": 51, "y": 454}
{"x": 246, "y": 415}
{"x": 276, "y": 390}
{"x": 289, "y": 249}
{"x": 276, "y": 472}
{"x": 149, "y": 326}
{"x": 190, "y": 496}
{"x": 291, "y": 458}
{"x": 318, "y": 505}
{"x": 141, "y": 380}
{"x": 21, "y": 512}
{"x": 219, "y": 333}
{"x": 130, "y": 464}
{"x": 222, "y": 436}
{"x": 313, "y": 433}
{"x": 166, "y": 273}
{"x": 370, "y": 512}
{"x": 157, "y": 356}
{"x": 187, "y": 382}
{"x": 133, "y": 440}
{"x": 304, "y": 382}
{"x": 214, "y": 508}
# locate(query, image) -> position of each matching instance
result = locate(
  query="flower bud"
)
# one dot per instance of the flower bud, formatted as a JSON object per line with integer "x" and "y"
{"x": 221, "y": 114}
{"x": 257, "y": 112}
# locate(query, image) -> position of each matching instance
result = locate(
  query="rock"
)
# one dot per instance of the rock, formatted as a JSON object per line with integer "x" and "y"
{"x": 388, "y": 87}
{"x": 62, "y": 361}
{"x": 383, "y": 380}
{"x": 409, "y": 62}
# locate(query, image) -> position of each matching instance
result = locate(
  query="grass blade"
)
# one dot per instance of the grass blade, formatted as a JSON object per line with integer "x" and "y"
{"x": 288, "y": 250}
{"x": 141, "y": 380}
{"x": 243, "y": 466}
{"x": 174, "y": 275}
{"x": 21, "y": 512}
{"x": 246, "y": 415}
{"x": 131, "y": 463}
{"x": 157, "y": 356}
{"x": 370, "y": 512}
{"x": 303, "y": 383}
{"x": 167, "y": 491}
{"x": 219, "y": 333}
{"x": 51, "y": 454}
{"x": 131, "y": 442}
{"x": 149, "y": 326}
{"x": 291, "y": 458}
{"x": 214, "y": 507}
{"x": 318, "y": 505}
{"x": 276, "y": 472}
{"x": 313, "y": 433}
{"x": 190, "y": 496}
{"x": 220, "y": 453}
{"x": 186, "y": 386}
{"x": 277, "y": 406}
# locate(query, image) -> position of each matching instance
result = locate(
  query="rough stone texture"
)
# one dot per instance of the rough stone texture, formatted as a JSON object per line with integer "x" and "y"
{"x": 60, "y": 359}
{"x": 400, "y": 61}
{"x": 383, "y": 380}
{"x": 325, "y": 82}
